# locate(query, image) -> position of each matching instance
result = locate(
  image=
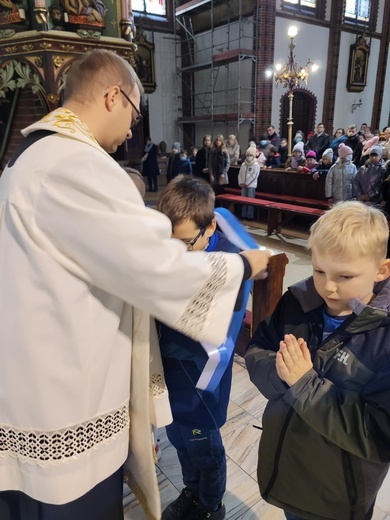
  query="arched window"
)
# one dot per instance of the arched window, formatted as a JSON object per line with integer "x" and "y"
{"x": 156, "y": 7}
{"x": 357, "y": 10}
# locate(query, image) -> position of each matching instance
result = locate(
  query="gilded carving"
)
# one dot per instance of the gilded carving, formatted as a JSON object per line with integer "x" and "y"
{"x": 11, "y": 49}
{"x": 57, "y": 61}
{"x": 53, "y": 98}
{"x": 28, "y": 47}
{"x": 46, "y": 45}
{"x": 66, "y": 47}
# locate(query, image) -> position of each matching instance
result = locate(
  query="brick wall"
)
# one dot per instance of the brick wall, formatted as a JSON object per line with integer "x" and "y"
{"x": 266, "y": 16}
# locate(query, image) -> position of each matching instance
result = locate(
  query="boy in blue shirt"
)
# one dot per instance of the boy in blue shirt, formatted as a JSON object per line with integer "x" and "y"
{"x": 184, "y": 166}
{"x": 197, "y": 414}
{"x": 325, "y": 446}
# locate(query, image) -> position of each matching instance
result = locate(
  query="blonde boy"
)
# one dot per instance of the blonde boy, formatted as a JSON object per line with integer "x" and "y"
{"x": 325, "y": 447}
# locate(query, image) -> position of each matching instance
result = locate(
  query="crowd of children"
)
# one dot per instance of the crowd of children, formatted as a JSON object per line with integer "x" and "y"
{"x": 321, "y": 360}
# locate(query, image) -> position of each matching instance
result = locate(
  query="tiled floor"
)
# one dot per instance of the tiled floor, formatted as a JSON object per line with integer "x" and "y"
{"x": 242, "y": 498}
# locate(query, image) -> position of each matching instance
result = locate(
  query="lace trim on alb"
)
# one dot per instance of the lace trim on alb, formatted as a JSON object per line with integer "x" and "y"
{"x": 195, "y": 315}
{"x": 44, "y": 448}
{"x": 157, "y": 385}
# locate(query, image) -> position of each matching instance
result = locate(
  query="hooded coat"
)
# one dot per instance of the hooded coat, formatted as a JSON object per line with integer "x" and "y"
{"x": 325, "y": 446}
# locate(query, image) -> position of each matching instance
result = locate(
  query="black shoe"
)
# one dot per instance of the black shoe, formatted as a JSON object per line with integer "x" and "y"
{"x": 180, "y": 508}
{"x": 204, "y": 514}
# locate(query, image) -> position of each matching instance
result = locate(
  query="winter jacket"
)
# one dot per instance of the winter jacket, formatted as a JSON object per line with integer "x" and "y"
{"x": 219, "y": 164}
{"x": 298, "y": 161}
{"x": 184, "y": 167}
{"x": 319, "y": 143}
{"x": 184, "y": 360}
{"x": 273, "y": 161}
{"x": 355, "y": 143}
{"x": 321, "y": 169}
{"x": 202, "y": 162}
{"x": 234, "y": 153}
{"x": 325, "y": 446}
{"x": 338, "y": 184}
{"x": 368, "y": 181}
{"x": 173, "y": 166}
{"x": 249, "y": 174}
{"x": 274, "y": 139}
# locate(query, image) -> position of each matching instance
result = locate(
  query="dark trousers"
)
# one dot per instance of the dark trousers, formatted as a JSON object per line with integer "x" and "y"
{"x": 203, "y": 462}
{"x": 103, "y": 502}
{"x": 152, "y": 182}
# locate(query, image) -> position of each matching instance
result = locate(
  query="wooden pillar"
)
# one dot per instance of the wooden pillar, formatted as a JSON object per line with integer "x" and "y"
{"x": 381, "y": 69}
{"x": 332, "y": 67}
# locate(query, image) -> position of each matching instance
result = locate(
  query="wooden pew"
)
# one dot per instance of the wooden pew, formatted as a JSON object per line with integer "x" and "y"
{"x": 281, "y": 182}
{"x": 274, "y": 209}
{"x": 265, "y": 296}
{"x": 314, "y": 203}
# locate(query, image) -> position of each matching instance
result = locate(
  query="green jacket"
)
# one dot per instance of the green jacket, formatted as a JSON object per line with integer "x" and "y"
{"x": 325, "y": 446}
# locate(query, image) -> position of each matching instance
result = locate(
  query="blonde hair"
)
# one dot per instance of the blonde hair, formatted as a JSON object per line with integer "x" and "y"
{"x": 98, "y": 69}
{"x": 351, "y": 228}
{"x": 223, "y": 144}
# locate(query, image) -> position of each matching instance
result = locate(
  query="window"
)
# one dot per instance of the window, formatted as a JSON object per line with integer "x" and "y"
{"x": 302, "y": 3}
{"x": 306, "y": 7}
{"x": 357, "y": 10}
{"x": 157, "y": 7}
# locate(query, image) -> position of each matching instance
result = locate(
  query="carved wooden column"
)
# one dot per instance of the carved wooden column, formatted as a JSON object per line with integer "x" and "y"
{"x": 381, "y": 69}
{"x": 39, "y": 18}
{"x": 127, "y": 21}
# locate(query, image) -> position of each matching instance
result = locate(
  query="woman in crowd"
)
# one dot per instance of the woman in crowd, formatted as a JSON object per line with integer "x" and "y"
{"x": 202, "y": 159}
{"x": 233, "y": 149}
{"x": 219, "y": 162}
{"x": 338, "y": 138}
{"x": 150, "y": 168}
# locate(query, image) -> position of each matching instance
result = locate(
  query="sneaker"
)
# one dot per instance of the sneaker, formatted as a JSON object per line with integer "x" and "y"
{"x": 181, "y": 507}
{"x": 204, "y": 514}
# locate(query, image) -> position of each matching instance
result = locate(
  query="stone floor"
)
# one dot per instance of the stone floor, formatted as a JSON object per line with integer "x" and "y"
{"x": 245, "y": 410}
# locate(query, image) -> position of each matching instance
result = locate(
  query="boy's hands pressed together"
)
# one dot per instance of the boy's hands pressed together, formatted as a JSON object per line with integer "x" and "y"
{"x": 293, "y": 359}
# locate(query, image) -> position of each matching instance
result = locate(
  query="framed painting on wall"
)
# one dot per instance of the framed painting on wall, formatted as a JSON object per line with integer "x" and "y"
{"x": 144, "y": 59}
{"x": 358, "y": 65}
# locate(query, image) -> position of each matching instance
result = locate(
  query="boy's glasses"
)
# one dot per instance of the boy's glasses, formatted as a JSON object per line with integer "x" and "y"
{"x": 190, "y": 245}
